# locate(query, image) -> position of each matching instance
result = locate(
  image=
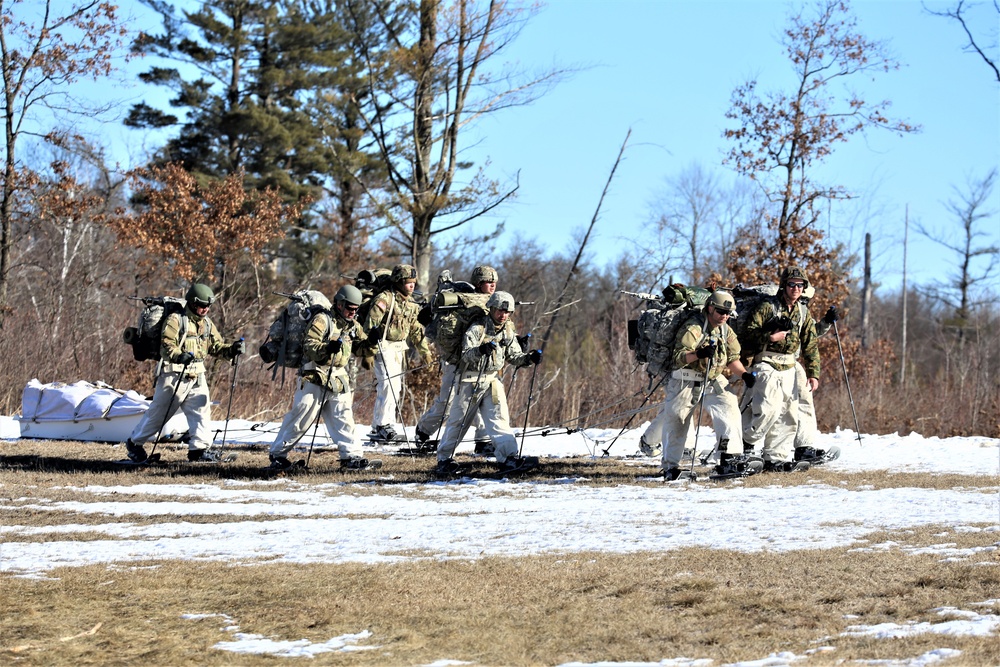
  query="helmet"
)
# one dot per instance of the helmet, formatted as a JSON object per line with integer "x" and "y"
{"x": 483, "y": 274}
{"x": 501, "y": 301}
{"x": 349, "y": 294}
{"x": 403, "y": 272}
{"x": 200, "y": 295}
{"x": 723, "y": 302}
{"x": 790, "y": 273}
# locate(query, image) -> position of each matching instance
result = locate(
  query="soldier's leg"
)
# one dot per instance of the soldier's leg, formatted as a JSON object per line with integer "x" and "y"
{"x": 766, "y": 400}
{"x": 496, "y": 421}
{"x": 805, "y": 434}
{"x": 156, "y": 414}
{"x": 456, "y": 425}
{"x": 651, "y": 440}
{"x": 725, "y": 411}
{"x": 338, "y": 415}
{"x": 197, "y": 407}
{"x": 431, "y": 420}
{"x": 780, "y": 437}
{"x": 388, "y": 382}
{"x": 298, "y": 419}
{"x": 678, "y": 422}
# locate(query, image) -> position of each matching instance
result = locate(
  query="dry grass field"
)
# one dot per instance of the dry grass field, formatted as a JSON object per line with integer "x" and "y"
{"x": 707, "y": 604}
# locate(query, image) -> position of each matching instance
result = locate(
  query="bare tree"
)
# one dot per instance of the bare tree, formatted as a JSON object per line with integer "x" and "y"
{"x": 440, "y": 77}
{"x": 983, "y": 45}
{"x": 45, "y": 45}
{"x": 976, "y": 262}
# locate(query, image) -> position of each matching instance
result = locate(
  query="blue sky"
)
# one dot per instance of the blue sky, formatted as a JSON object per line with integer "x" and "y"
{"x": 666, "y": 71}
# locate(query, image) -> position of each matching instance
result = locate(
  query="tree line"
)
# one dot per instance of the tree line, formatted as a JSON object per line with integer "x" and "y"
{"x": 307, "y": 140}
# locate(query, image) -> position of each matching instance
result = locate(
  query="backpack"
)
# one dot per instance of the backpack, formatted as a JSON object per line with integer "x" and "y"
{"x": 145, "y": 337}
{"x": 651, "y": 337}
{"x": 371, "y": 283}
{"x": 283, "y": 345}
{"x": 747, "y": 300}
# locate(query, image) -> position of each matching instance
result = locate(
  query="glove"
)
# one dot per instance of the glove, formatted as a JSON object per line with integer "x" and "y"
{"x": 707, "y": 350}
{"x": 334, "y": 346}
{"x": 749, "y": 379}
{"x": 523, "y": 340}
{"x": 238, "y": 348}
{"x": 831, "y": 315}
{"x": 425, "y": 315}
{"x": 375, "y": 334}
{"x": 185, "y": 358}
{"x": 535, "y": 357}
{"x": 487, "y": 348}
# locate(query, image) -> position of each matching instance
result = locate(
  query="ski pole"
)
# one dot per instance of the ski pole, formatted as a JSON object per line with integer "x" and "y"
{"x": 644, "y": 401}
{"x": 170, "y": 406}
{"x": 229, "y": 408}
{"x": 527, "y": 409}
{"x": 701, "y": 406}
{"x": 847, "y": 381}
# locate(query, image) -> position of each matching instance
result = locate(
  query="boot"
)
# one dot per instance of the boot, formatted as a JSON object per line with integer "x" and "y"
{"x": 484, "y": 447}
{"x": 447, "y": 467}
{"x": 279, "y": 462}
{"x": 359, "y": 463}
{"x": 203, "y": 456}
{"x": 648, "y": 449}
{"x": 136, "y": 452}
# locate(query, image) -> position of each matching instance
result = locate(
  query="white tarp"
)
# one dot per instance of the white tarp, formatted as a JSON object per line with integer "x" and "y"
{"x": 58, "y": 401}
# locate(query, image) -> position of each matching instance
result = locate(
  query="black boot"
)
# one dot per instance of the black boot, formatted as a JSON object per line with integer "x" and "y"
{"x": 136, "y": 453}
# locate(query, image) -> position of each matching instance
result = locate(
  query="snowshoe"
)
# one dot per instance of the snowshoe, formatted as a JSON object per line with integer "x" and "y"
{"x": 814, "y": 456}
{"x": 280, "y": 464}
{"x": 209, "y": 456}
{"x": 732, "y": 467}
{"x": 425, "y": 448}
{"x": 518, "y": 465}
{"x": 146, "y": 461}
{"x": 785, "y": 466}
{"x": 673, "y": 474}
{"x": 358, "y": 463}
{"x": 449, "y": 468}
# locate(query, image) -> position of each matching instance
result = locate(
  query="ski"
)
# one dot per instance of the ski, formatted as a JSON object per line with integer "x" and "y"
{"x": 152, "y": 459}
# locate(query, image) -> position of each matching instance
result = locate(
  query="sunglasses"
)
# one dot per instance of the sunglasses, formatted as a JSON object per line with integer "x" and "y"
{"x": 797, "y": 285}
{"x": 351, "y": 309}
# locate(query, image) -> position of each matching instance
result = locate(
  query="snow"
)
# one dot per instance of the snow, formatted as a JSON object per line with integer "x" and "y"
{"x": 327, "y": 523}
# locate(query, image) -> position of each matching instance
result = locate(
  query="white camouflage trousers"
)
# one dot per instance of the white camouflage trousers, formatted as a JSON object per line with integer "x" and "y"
{"x": 807, "y": 429}
{"x": 681, "y": 412}
{"x": 774, "y": 412}
{"x": 173, "y": 393}
{"x": 488, "y": 399}
{"x": 338, "y": 416}
{"x": 431, "y": 420}
{"x": 388, "y": 381}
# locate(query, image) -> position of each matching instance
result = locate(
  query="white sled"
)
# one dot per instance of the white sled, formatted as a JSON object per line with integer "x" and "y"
{"x": 85, "y": 411}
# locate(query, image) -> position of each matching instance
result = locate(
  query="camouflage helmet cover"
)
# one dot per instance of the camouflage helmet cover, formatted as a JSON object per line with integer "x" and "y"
{"x": 790, "y": 273}
{"x": 723, "y": 302}
{"x": 349, "y": 294}
{"x": 483, "y": 274}
{"x": 403, "y": 272}
{"x": 501, "y": 301}
{"x": 200, "y": 295}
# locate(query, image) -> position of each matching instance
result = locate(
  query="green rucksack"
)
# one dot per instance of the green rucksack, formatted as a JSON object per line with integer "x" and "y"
{"x": 652, "y": 335}
{"x": 145, "y": 337}
{"x": 283, "y": 345}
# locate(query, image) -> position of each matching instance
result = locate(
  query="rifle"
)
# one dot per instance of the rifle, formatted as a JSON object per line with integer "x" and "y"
{"x": 645, "y": 296}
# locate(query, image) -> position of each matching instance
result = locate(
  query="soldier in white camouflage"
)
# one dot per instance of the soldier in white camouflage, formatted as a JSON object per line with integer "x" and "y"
{"x": 704, "y": 346}
{"x": 489, "y": 344}
{"x": 484, "y": 278}
{"x": 323, "y": 385}
{"x": 393, "y": 327}
{"x": 186, "y": 341}
{"x": 781, "y": 329}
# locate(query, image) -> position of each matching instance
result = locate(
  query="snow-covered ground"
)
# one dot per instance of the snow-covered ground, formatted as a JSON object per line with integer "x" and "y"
{"x": 310, "y": 523}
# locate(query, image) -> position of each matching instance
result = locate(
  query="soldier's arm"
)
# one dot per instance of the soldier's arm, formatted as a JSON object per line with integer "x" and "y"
{"x": 474, "y": 336}
{"x": 314, "y": 343}
{"x": 170, "y": 342}
{"x": 685, "y": 342}
{"x": 810, "y": 348}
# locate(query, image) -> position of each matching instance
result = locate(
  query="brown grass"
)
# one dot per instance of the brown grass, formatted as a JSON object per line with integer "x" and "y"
{"x": 539, "y": 610}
